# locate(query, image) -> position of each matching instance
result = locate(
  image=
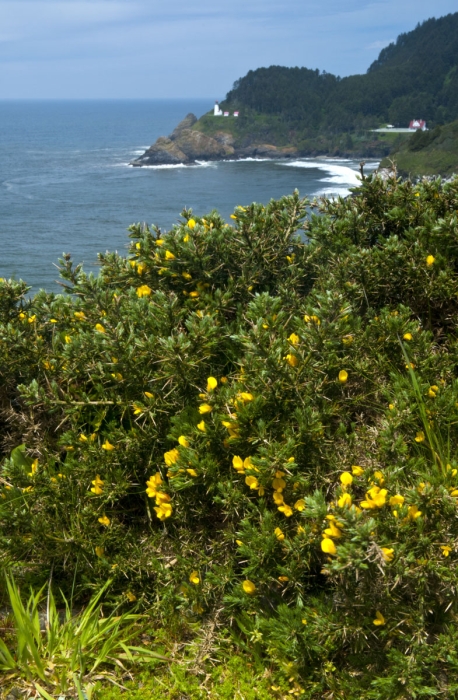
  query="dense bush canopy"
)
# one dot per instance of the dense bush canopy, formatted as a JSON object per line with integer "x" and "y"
{"x": 254, "y": 422}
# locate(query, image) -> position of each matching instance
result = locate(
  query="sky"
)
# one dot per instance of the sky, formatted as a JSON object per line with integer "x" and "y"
{"x": 182, "y": 49}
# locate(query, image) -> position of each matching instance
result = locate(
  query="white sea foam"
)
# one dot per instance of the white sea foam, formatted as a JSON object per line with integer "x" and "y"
{"x": 339, "y": 174}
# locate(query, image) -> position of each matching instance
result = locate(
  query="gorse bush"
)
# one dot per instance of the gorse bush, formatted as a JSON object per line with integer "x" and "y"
{"x": 235, "y": 418}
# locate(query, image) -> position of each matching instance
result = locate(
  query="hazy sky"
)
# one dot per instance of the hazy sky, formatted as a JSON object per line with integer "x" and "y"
{"x": 178, "y": 48}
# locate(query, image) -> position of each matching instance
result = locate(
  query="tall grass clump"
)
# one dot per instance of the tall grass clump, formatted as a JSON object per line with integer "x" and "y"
{"x": 254, "y": 424}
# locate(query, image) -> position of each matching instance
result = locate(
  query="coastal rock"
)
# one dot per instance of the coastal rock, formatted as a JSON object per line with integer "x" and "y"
{"x": 187, "y": 145}
{"x": 163, "y": 152}
{"x": 186, "y": 123}
{"x": 197, "y": 145}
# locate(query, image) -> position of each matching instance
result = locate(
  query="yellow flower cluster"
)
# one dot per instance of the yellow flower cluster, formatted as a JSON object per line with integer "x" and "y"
{"x": 163, "y": 506}
{"x": 97, "y": 485}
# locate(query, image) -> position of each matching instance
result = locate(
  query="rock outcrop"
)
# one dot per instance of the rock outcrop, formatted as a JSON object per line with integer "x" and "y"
{"x": 187, "y": 145}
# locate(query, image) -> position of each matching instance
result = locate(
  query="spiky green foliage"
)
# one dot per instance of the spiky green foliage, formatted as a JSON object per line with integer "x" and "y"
{"x": 237, "y": 421}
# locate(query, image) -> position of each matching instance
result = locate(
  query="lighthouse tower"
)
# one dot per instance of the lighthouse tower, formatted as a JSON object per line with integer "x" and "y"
{"x": 217, "y": 112}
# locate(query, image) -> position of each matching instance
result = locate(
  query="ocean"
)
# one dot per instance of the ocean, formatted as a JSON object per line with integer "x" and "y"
{"x": 66, "y": 184}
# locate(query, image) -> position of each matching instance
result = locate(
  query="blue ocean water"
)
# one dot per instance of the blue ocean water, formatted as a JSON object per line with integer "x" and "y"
{"x": 66, "y": 184}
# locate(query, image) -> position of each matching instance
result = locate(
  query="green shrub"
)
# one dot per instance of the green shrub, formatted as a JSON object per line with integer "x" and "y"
{"x": 236, "y": 418}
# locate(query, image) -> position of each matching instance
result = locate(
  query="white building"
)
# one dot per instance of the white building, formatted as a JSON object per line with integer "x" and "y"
{"x": 217, "y": 112}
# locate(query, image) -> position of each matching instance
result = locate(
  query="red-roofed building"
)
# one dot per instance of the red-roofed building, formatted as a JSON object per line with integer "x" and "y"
{"x": 416, "y": 124}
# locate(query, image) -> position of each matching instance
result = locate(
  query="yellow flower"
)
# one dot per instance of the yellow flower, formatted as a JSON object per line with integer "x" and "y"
{"x": 99, "y": 551}
{"x": 294, "y": 339}
{"x": 108, "y": 446}
{"x": 344, "y": 501}
{"x": 184, "y": 442}
{"x": 152, "y": 484}
{"x": 292, "y": 360}
{"x": 279, "y": 534}
{"x": 141, "y": 267}
{"x": 245, "y": 396}
{"x": 212, "y": 383}
{"x": 408, "y": 336}
{"x": 410, "y": 366}
{"x": 80, "y": 315}
{"x": 186, "y": 238}
{"x": 186, "y": 275}
{"x": 237, "y": 463}
{"x": 194, "y": 578}
{"x": 171, "y": 457}
{"x": 160, "y": 241}
{"x": 431, "y": 393}
{"x": 387, "y": 553}
{"x": 117, "y": 375}
{"x": 278, "y": 498}
{"x": 34, "y": 467}
{"x": 379, "y": 476}
{"x": 22, "y": 316}
{"x": 252, "y": 482}
{"x": 286, "y": 510}
{"x": 283, "y": 579}
{"x": 99, "y": 328}
{"x": 149, "y": 395}
{"x": 413, "y": 513}
{"x": 104, "y": 520}
{"x": 31, "y": 319}
{"x": 391, "y": 406}
{"x": 131, "y": 597}
{"x": 299, "y": 505}
{"x": 397, "y": 499}
{"x": 52, "y": 320}
{"x": 138, "y": 410}
{"x": 68, "y": 339}
{"x": 420, "y": 437}
{"x": 379, "y": 619}
{"x": 376, "y": 498}
{"x": 343, "y": 376}
{"x": 332, "y": 530}
{"x": 239, "y": 543}
{"x": 97, "y": 483}
{"x": 446, "y": 550}
{"x": 304, "y": 621}
{"x": 223, "y": 380}
{"x": 191, "y": 472}
{"x": 346, "y": 479}
{"x": 430, "y": 260}
{"x": 328, "y": 546}
{"x": 194, "y": 295}
{"x": 191, "y": 223}
{"x": 357, "y": 471}
{"x": 249, "y": 587}
{"x": 169, "y": 255}
{"x": 278, "y": 484}
{"x": 233, "y": 217}
{"x": 205, "y": 408}
{"x": 144, "y": 291}
{"x": 201, "y": 426}
{"x": 163, "y": 511}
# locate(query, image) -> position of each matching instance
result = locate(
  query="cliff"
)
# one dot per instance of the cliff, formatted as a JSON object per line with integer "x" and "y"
{"x": 190, "y": 142}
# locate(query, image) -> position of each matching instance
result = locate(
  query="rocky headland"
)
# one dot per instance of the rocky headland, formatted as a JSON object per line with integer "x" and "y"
{"x": 188, "y": 145}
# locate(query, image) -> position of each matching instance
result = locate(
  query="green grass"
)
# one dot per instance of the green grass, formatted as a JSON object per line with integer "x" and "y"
{"x": 238, "y": 678}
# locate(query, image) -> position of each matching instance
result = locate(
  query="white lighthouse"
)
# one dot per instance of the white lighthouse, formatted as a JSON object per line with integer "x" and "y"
{"x": 217, "y": 112}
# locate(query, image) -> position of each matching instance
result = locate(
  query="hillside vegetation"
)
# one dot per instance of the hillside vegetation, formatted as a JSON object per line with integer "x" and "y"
{"x": 415, "y": 77}
{"x": 428, "y": 152}
{"x": 250, "y": 431}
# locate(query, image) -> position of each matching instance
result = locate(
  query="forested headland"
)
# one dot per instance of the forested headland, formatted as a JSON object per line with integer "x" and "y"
{"x": 316, "y": 112}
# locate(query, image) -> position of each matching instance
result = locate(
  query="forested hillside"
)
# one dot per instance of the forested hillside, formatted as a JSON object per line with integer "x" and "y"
{"x": 415, "y": 77}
